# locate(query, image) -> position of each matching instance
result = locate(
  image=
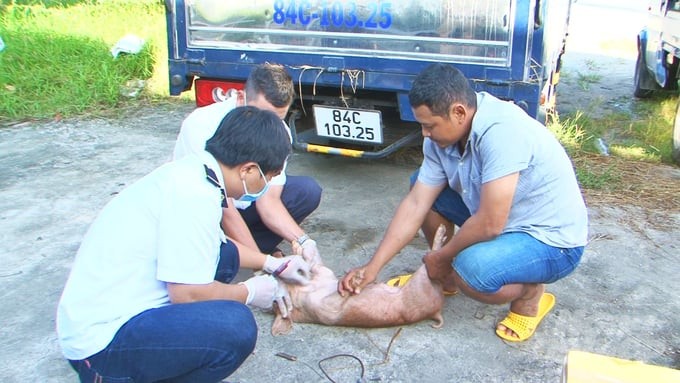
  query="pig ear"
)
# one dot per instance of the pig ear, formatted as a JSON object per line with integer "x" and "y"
{"x": 282, "y": 326}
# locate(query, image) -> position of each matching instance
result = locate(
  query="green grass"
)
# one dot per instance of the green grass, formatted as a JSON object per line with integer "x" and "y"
{"x": 598, "y": 179}
{"x": 642, "y": 134}
{"x": 57, "y": 59}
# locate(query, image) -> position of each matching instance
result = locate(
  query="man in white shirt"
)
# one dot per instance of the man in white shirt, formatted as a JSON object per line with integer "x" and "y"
{"x": 290, "y": 199}
{"x": 148, "y": 297}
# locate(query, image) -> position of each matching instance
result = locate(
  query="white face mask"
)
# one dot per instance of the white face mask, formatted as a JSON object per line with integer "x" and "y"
{"x": 252, "y": 197}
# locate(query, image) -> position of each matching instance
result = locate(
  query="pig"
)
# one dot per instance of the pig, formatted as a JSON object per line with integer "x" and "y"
{"x": 378, "y": 304}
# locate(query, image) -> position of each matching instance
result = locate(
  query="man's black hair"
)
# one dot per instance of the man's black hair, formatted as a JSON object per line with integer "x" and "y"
{"x": 439, "y": 86}
{"x": 250, "y": 134}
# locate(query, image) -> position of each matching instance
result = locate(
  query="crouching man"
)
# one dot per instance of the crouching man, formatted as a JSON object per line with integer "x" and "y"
{"x": 148, "y": 298}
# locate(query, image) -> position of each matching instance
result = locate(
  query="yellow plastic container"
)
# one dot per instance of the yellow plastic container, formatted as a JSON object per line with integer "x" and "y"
{"x": 585, "y": 367}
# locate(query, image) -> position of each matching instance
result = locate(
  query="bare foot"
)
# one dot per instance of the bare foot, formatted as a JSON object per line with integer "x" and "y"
{"x": 527, "y": 305}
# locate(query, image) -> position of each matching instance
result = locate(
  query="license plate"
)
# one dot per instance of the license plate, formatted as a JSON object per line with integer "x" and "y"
{"x": 349, "y": 124}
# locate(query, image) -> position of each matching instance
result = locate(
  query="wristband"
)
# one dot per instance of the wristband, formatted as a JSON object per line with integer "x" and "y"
{"x": 301, "y": 239}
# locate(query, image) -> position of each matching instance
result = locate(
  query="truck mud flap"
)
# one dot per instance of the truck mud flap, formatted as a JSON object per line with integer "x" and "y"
{"x": 299, "y": 143}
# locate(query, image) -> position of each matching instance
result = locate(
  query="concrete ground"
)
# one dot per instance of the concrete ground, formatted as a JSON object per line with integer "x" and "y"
{"x": 54, "y": 178}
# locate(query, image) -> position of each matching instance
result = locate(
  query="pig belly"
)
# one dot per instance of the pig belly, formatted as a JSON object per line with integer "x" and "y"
{"x": 378, "y": 305}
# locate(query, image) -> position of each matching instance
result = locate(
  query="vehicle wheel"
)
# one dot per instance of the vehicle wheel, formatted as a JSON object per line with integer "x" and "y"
{"x": 676, "y": 135}
{"x": 641, "y": 78}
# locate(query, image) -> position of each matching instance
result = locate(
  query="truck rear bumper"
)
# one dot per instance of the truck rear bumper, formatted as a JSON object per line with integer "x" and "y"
{"x": 304, "y": 141}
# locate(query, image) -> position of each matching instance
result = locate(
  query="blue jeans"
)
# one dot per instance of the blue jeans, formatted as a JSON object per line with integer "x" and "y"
{"x": 191, "y": 342}
{"x": 301, "y": 195}
{"x": 449, "y": 204}
{"x": 513, "y": 257}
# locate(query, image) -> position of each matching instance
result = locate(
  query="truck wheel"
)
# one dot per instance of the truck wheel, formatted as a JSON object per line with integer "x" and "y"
{"x": 676, "y": 135}
{"x": 641, "y": 78}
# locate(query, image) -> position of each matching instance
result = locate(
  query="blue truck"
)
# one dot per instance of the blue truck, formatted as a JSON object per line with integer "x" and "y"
{"x": 658, "y": 61}
{"x": 353, "y": 61}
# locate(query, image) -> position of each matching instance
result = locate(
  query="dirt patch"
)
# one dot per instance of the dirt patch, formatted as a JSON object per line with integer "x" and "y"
{"x": 599, "y": 59}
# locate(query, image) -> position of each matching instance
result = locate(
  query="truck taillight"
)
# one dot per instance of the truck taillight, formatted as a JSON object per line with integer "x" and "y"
{"x": 211, "y": 91}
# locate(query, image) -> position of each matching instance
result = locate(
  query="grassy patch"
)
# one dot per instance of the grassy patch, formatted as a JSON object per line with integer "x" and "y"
{"x": 643, "y": 134}
{"x": 598, "y": 178}
{"x": 569, "y": 131}
{"x": 57, "y": 59}
{"x": 71, "y": 85}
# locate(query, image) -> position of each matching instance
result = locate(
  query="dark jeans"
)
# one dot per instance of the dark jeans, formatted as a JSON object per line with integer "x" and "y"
{"x": 192, "y": 342}
{"x": 449, "y": 204}
{"x": 301, "y": 196}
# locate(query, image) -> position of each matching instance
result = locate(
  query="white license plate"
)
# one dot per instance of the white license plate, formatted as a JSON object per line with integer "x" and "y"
{"x": 349, "y": 124}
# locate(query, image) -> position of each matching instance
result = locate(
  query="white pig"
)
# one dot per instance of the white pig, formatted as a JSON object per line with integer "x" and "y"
{"x": 378, "y": 304}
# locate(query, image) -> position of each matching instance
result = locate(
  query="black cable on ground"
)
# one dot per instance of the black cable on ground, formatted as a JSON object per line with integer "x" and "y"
{"x": 361, "y": 364}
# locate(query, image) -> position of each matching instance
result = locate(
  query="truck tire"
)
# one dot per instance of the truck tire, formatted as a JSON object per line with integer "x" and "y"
{"x": 641, "y": 79}
{"x": 676, "y": 135}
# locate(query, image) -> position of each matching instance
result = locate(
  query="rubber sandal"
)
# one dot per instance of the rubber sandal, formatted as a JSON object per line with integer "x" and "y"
{"x": 525, "y": 326}
{"x": 401, "y": 280}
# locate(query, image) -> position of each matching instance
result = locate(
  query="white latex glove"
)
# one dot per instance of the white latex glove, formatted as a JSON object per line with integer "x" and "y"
{"x": 262, "y": 291}
{"x": 283, "y": 301}
{"x": 291, "y": 269}
{"x": 310, "y": 252}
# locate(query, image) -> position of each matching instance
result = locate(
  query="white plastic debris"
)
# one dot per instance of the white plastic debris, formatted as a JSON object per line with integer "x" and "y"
{"x": 602, "y": 147}
{"x": 128, "y": 44}
{"x": 2, "y": 45}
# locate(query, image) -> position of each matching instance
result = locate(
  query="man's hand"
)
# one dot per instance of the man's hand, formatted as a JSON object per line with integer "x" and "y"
{"x": 438, "y": 267}
{"x": 262, "y": 291}
{"x": 310, "y": 252}
{"x": 355, "y": 280}
{"x": 291, "y": 269}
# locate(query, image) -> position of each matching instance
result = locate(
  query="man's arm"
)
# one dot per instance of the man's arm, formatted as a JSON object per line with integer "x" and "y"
{"x": 487, "y": 223}
{"x": 405, "y": 224}
{"x": 275, "y": 216}
{"x": 184, "y": 293}
{"x": 235, "y": 227}
{"x": 248, "y": 257}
